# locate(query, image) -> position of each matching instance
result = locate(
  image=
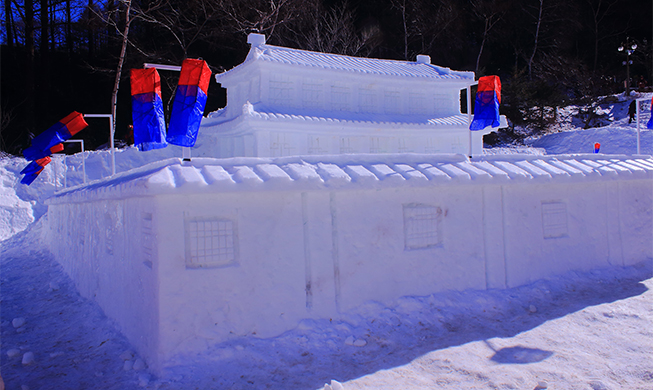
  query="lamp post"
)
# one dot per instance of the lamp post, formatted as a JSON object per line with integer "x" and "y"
{"x": 629, "y": 47}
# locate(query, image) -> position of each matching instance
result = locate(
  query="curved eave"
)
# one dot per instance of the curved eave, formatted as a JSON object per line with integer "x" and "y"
{"x": 354, "y": 172}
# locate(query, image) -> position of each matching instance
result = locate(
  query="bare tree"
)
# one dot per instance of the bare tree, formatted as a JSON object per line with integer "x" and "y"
{"x": 600, "y": 10}
{"x": 9, "y": 23}
{"x": 261, "y": 16}
{"x": 536, "y": 40}
{"x": 69, "y": 34}
{"x": 427, "y": 23}
{"x": 121, "y": 60}
{"x": 44, "y": 48}
{"x": 29, "y": 49}
{"x": 187, "y": 22}
{"x": 490, "y": 14}
{"x": 328, "y": 31}
{"x": 401, "y": 6}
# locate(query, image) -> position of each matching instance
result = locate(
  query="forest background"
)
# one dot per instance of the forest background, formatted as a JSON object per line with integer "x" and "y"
{"x": 59, "y": 56}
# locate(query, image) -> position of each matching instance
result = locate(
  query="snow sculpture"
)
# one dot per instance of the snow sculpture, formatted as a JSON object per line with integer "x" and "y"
{"x": 187, "y": 255}
{"x": 284, "y": 101}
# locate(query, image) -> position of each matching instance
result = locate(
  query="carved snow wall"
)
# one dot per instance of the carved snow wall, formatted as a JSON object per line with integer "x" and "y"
{"x": 186, "y": 255}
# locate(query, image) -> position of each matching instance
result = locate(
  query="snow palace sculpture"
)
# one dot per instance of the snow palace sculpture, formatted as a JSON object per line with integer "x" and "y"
{"x": 186, "y": 255}
{"x": 283, "y": 101}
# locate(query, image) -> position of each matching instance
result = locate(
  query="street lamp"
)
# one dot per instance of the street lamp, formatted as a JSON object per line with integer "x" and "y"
{"x": 629, "y": 47}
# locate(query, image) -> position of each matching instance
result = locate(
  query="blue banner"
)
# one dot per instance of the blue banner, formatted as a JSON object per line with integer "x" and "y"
{"x": 186, "y": 116}
{"x": 149, "y": 123}
{"x": 486, "y": 111}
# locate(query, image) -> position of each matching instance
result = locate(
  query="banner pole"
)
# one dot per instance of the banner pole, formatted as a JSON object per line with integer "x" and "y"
{"x": 469, "y": 117}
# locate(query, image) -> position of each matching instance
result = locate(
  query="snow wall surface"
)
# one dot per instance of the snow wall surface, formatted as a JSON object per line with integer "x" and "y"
{"x": 185, "y": 255}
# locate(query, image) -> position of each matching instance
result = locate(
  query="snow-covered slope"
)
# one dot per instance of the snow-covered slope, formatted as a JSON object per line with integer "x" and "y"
{"x": 615, "y": 135}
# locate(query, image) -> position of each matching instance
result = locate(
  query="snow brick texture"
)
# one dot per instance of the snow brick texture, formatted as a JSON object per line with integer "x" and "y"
{"x": 185, "y": 255}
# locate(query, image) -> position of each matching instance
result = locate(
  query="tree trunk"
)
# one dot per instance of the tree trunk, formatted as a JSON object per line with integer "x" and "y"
{"x": 44, "y": 71}
{"x": 9, "y": 24}
{"x": 401, "y": 6}
{"x": 403, "y": 16}
{"x": 44, "y": 28}
{"x": 91, "y": 33}
{"x": 69, "y": 37}
{"x": 29, "y": 76}
{"x": 480, "y": 51}
{"x": 53, "y": 27}
{"x": 537, "y": 35}
{"x": 121, "y": 60}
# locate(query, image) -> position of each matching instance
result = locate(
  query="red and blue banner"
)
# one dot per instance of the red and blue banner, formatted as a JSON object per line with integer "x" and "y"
{"x": 44, "y": 153}
{"x": 650, "y": 121}
{"x": 486, "y": 108}
{"x": 34, "y": 168}
{"x": 147, "y": 110}
{"x": 188, "y": 105}
{"x": 56, "y": 134}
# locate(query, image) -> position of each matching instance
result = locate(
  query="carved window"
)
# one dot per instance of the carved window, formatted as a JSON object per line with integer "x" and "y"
{"x": 417, "y": 103}
{"x": 146, "y": 238}
{"x": 392, "y": 102}
{"x": 281, "y": 88}
{"x": 211, "y": 242}
{"x": 442, "y": 104}
{"x": 311, "y": 94}
{"x": 422, "y": 226}
{"x": 340, "y": 96}
{"x": 554, "y": 219}
{"x": 367, "y": 99}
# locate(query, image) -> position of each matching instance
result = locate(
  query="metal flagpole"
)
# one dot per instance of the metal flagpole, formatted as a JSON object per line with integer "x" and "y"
{"x": 185, "y": 150}
{"x": 637, "y": 103}
{"x": 469, "y": 116}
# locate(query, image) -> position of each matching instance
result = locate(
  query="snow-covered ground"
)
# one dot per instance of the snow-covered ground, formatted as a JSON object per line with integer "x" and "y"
{"x": 577, "y": 331}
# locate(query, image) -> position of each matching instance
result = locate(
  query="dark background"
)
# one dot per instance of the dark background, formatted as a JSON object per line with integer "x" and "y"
{"x": 59, "y": 56}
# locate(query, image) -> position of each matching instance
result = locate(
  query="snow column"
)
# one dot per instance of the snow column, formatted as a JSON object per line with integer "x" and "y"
{"x": 147, "y": 110}
{"x": 486, "y": 108}
{"x": 188, "y": 106}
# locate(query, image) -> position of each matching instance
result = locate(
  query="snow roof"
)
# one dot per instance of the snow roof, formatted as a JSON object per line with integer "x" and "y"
{"x": 260, "y": 51}
{"x": 243, "y": 174}
{"x": 263, "y": 113}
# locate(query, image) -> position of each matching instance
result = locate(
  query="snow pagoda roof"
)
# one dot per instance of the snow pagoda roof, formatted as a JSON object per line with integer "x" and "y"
{"x": 259, "y": 112}
{"x": 260, "y": 51}
{"x": 205, "y": 175}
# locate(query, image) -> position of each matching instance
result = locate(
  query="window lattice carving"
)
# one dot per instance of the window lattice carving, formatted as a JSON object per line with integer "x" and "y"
{"x": 422, "y": 226}
{"x": 311, "y": 94}
{"x": 340, "y": 96}
{"x": 211, "y": 242}
{"x": 281, "y": 91}
{"x": 554, "y": 220}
